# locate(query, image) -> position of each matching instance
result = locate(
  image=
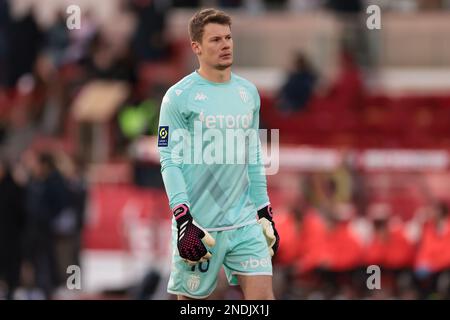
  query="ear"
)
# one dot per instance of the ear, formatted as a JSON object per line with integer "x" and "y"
{"x": 196, "y": 47}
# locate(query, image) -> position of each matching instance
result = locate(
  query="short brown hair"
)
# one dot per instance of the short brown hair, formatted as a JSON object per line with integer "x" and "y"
{"x": 202, "y": 18}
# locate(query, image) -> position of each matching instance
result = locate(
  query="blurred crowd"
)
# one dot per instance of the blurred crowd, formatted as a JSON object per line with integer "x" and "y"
{"x": 330, "y": 252}
{"x": 43, "y": 161}
{"x": 42, "y": 200}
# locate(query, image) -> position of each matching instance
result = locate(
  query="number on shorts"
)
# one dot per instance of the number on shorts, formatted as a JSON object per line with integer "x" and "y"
{"x": 200, "y": 267}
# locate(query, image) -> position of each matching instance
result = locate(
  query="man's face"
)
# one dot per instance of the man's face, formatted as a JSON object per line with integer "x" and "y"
{"x": 216, "y": 47}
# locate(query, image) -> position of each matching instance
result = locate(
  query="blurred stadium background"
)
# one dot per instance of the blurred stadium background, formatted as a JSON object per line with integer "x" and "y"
{"x": 364, "y": 119}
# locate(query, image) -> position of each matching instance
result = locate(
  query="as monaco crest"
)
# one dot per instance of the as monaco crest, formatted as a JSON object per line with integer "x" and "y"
{"x": 243, "y": 94}
{"x": 193, "y": 282}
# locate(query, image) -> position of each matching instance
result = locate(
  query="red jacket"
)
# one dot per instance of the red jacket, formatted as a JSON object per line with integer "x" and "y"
{"x": 302, "y": 242}
{"x": 434, "y": 248}
{"x": 344, "y": 251}
{"x": 394, "y": 251}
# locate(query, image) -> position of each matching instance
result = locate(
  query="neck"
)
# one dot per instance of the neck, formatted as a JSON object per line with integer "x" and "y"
{"x": 215, "y": 75}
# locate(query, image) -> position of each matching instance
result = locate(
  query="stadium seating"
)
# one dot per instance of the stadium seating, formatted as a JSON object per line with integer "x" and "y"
{"x": 379, "y": 122}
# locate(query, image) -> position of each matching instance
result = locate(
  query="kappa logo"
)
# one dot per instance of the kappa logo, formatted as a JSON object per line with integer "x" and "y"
{"x": 200, "y": 96}
{"x": 193, "y": 282}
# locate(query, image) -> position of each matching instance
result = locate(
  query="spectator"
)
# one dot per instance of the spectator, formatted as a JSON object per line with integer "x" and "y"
{"x": 300, "y": 224}
{"x": 106, "y": 62}
{"x": 390, "y": 248}
{"x": 25, "y": 40}
{"x": 297, "y": 90}
{"x": 342, "y": 257}
{"x": 46, "y": 200}
{"x": 71, "y": 220}
{"x": 4, "y": 45}
{"x": 354, "y": 34}
{"x": 57, "y": 40}
{"x": 11, "y": 229}
{"x": 347, "y": 91}
{"x": 149, "y": 42}
{"x": 433, "y": 257}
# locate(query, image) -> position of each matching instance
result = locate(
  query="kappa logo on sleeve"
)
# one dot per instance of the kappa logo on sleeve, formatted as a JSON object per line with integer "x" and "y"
{"x": 163, "y": 136}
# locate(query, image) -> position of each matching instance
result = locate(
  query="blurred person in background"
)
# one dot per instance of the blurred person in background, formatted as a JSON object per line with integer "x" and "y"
{"x": 346, "y": 182}
{"x": 71, "y": 220}
{"x": 342, "y": 184}
{"x": 109, "y": 61}
{"x": 392, "y": 249}
{"x": 4, "y": 45}
{"x": 25, "y": 40}
{"x": 298, "y": 222}
{"x": 149, "y": 41}
{"x": 347, "y": 90}
{"x": 46, "y": 200}
{"x": 433, "y": 258}
{"x": 57, "y": 40}
{"x": 342, "y": 255}
{"x": 12, "y": 222}
{"x": 49, "y": 98}
{"x": 299, "y": 86}
{"x": 350, "y": 14}
{"x": 20, "y": 128}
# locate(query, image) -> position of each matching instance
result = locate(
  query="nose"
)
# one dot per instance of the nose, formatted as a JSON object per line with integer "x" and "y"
{"x": 226, "y": 46}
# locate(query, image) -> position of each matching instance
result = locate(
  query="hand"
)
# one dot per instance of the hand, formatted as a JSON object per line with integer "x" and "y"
{"x": 265, "y": 219}
{"x": 190, "y": 236}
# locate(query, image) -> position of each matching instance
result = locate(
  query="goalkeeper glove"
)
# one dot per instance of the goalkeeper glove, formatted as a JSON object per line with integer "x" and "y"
{"x": 265, "y": 219}
{"x": 190, "y": 236}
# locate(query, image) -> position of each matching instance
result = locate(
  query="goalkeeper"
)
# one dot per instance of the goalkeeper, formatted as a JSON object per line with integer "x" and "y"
{"x": 221, "y": 210}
